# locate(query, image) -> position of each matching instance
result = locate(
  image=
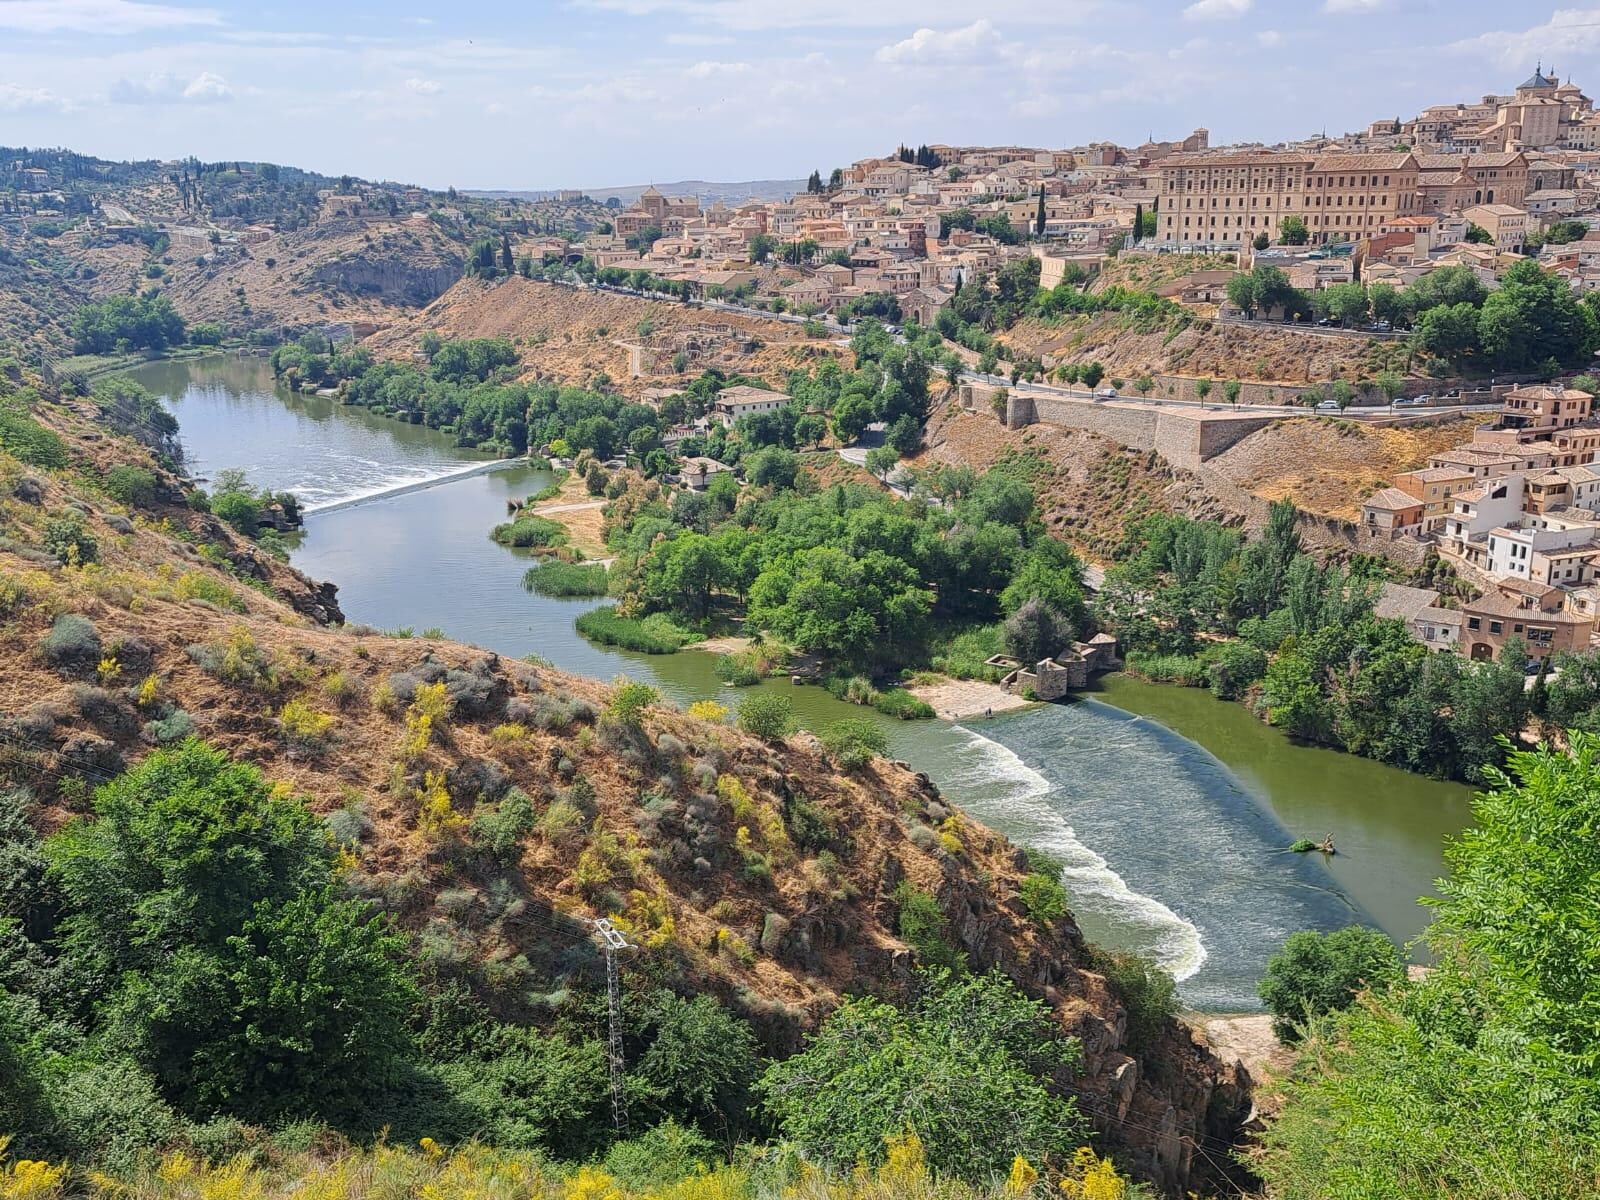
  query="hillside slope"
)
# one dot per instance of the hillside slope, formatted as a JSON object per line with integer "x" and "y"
{"x": 493, "y": 806}
{"x": 572, "y": 335}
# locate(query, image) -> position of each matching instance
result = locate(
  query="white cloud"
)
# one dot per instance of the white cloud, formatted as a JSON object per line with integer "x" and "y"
{"x": 978, "y": 40}
{"x": 207, "y": 88}
{"x": 705, "y": 70}
{"x": 753, "y": 15}
{"x": 161, "y": 88}
{"x": 116, "y": 17}
{"x": 14, "y": 99}
{"x": 1269, "y": 38}
{"x": 1569, "y": 30}
{"x": 424, "y": 87}
{"x": 1352, "y": 6}
{"x": 1217, "y": 10}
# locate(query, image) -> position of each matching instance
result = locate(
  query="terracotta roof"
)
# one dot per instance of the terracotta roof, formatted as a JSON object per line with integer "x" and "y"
{"x": 1364, "y": 162}
{"x": 1439, "y": 162}
{"x": 1404, "y": 603}
{"x": 1391, "y": 498}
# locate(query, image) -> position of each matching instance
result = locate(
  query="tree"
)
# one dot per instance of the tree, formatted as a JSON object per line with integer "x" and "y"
{"x": 700, "y": 1064}
{"x": 508, "y": 262}
{"x": 1091, "y": 374}
{"x": 814, "y": 183}
{"x": 1390, "y": 385}
{"x": 1261, "y": 241}
{"x": 881, "y": 460}
{"x": 967, "y": 1070}
{"x": 1231, "y": 390}
{"x": 1039, "y": 220}
{"x": 851, "y": 416}
{"x": 1448, "y": 331}
{"x": 762, "y": 246}
{"x": 1036, "y": 631}
{"x": 1318, "y": 973}
{"x": 1345, "y": 303}
{"x": 1292, "y": 231}
{"x": 200, "y": 899}
{"x": 1202, "y": 389}
{"x": 1478, "y": 235}
{"x": 810, "y": 429}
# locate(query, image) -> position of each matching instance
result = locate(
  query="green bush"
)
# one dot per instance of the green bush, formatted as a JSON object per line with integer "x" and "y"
{"x": 500, "y": 829}
{"x": 1185, "y": 670}
{"x": 69, "y": 540}
{"x": 27, "y": 440}
{"x": 1318, "y": 973}
{"x": 900, "y": 703}
{"x": 1044, "y": 899}
{"x": 962, "y": 656}
{"x": 922, "y": 926}
{"x": 737, "y": 669}
{"x": 1148, "y": 993}
{"x": 854, "y": 741}
{"x": 133, "y": 486}
{"x": 530, "y": 532}
{"x": 563, "y": 579}
{"x": 1234, "y": 667}
{"x": 767, "y": 715}
{"x": 655, "y": 634}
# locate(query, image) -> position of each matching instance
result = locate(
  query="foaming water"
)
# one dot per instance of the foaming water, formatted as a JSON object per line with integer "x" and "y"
{"x": 1003, "y": 790}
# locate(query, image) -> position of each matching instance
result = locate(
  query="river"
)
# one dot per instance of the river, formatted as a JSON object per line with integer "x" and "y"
{"x": 1171, "y": 809}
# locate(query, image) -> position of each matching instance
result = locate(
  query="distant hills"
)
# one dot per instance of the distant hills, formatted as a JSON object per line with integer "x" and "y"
{"x": 707, "y": 192}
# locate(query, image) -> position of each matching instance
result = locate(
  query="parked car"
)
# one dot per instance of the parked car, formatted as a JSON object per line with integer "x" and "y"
{"x": 1326, "y": 321}
{"x": 1107, "y": 393}
{"x": 1328, "y": 406}
{"x": 1380, "y": 327}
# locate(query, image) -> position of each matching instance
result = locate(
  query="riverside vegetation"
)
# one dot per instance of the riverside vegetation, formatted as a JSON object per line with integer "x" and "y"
{"x": 234, "y": 969}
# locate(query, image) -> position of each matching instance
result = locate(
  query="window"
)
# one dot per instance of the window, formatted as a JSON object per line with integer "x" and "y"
{"x": 1473, "y": 623}
{"x": 1496, "y": 626}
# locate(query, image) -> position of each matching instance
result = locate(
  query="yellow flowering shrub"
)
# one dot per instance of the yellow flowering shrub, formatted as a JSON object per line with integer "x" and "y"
{"x": 1091, "y": 1177}
{"x": 425, "y": 717}
{"x": 30, "y": 1179}
{"x": 435, "y": 814}
{"x": 709, "y": 710}
{"x": 303, "y": 725}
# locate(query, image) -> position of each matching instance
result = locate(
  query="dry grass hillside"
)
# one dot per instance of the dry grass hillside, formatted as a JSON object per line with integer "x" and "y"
{"x": 573, "y": 335}
{"x": 1087, "y": 485}
{"x": 1205, "y": 349}
{"x": 341, "y": 270}
{"x": 1328, "y": 466}
{"x": 491, "y": 805}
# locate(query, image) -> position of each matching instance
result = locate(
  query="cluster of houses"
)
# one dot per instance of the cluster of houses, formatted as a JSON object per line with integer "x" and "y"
{"x": 1516, "y": 512}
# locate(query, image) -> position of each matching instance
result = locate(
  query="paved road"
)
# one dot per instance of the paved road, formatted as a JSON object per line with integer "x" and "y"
{"x": 1334, "y": 331}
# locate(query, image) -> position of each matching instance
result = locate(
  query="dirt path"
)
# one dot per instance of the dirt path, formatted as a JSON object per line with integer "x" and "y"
{"x": 580, "y": 513}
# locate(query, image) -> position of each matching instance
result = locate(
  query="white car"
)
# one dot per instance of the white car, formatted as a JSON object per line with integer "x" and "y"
{"x": 1328, "y": 406}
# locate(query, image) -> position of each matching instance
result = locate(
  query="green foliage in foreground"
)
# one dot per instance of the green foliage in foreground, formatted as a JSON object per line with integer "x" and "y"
{"x": 899, "y": 703}
{"x": 1318, "y": 973}
{"x": 655, "y": 634}
{"x": 563, "y": 579}
{"x": 530, "y": 533}
{"x": 1482, "y": 1080}
{"x": 28, "y": 441}
{"x": 968, "y": 1069}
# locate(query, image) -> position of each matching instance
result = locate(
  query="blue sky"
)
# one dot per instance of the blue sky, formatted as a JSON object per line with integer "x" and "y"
{"x": 597, "y": 92}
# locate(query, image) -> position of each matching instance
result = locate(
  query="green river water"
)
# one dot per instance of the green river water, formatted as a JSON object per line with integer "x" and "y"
{"x": 1171, "y": 809}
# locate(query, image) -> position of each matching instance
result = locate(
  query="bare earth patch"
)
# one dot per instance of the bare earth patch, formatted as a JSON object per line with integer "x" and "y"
{"x": 958, "y": 699}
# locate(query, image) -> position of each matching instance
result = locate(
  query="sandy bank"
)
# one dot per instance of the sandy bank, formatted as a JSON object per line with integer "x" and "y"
{"x": 955, "y": 699}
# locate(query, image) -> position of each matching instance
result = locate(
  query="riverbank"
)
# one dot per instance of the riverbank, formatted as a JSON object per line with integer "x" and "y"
{"x": 960, "y": 699}
{"x": 581, "y": 514}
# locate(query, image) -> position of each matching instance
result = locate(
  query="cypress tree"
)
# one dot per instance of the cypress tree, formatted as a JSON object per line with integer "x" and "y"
{"x": 1038, "y": 224}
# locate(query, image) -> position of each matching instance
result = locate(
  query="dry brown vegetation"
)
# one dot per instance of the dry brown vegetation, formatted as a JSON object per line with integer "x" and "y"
{"x": 572, "y": 336}
{"x": 1327, "y": 466}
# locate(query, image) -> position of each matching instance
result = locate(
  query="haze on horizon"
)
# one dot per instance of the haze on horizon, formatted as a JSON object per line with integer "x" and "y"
{"x": 611, "y": 92}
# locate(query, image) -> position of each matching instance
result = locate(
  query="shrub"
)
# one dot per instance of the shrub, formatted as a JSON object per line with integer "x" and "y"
{"x": 655, "y": 634}
{"x": 854, "y": 741}
{"x": 1234, "y": 667}
{"x": 133, "y": 486}
{"x": 1318, "y": 973}
{"x": 70, "y": 542}
{"x": 923, "y": 927}
{"x": 738, "y": 670}
{"x": 767, "y": 715}
{"x": 629, "y": 701}
{"x": 72, "y": 643}
{"x": 1185, "y": 670}
{"x": 563, "y": 579}
{"x": 164, "y": 731}
{"x": 197, "y": 585}
{"x": 1148, "y": 993}
{"x": 709, "y": 710}
{"x": 240, "y": 660}
{"x": 1044, "y": 899}
{"x": 1036, "y": 631}
{"x": 500, "y": 829}
{"x": 28, "y": 441}
{"x": 530, "y": 532}
{"x": 302, "y": 725}
{"x": 903, "y": 705}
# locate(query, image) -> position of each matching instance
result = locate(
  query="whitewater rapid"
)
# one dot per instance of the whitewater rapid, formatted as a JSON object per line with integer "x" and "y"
{"x": 998, "y": 784}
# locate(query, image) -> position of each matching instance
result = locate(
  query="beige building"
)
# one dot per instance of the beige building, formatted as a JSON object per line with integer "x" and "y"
{"x": 1506, "y": 225}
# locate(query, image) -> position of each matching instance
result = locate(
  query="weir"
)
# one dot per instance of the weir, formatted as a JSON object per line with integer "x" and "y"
{"x": 414, "y": 485}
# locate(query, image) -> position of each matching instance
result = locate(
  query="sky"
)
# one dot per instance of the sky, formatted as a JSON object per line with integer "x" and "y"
{"x": 574, "y": 93}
